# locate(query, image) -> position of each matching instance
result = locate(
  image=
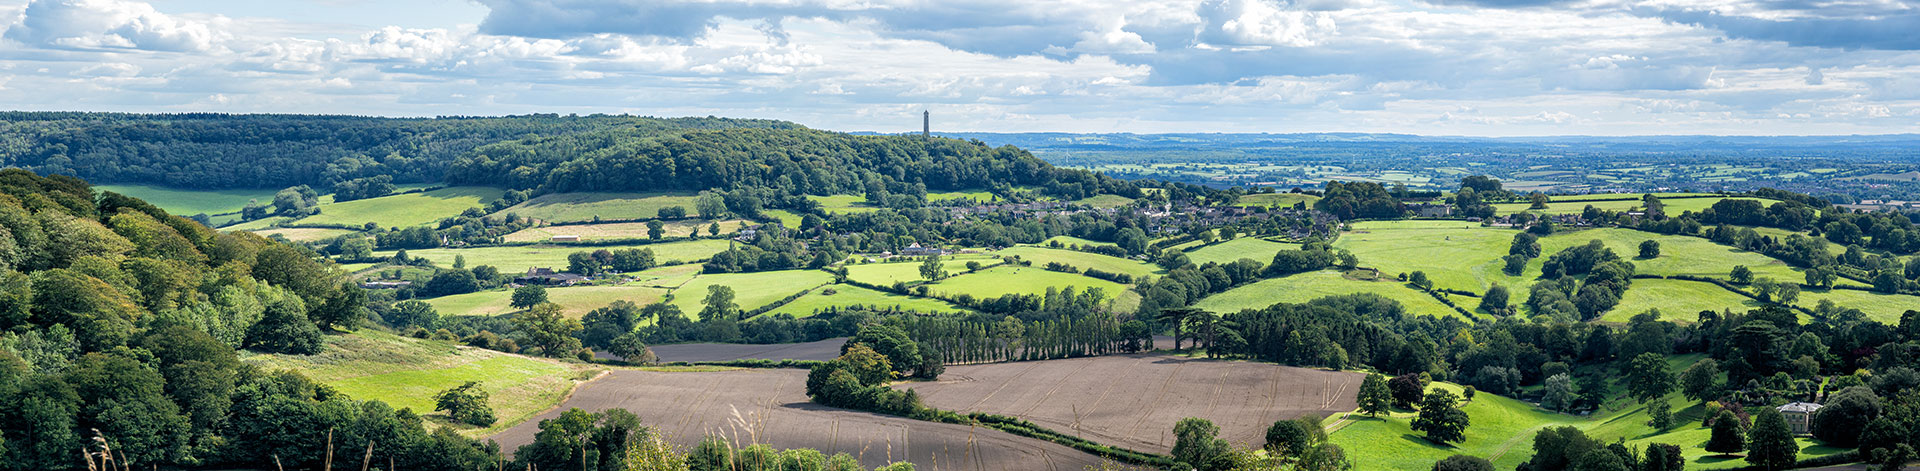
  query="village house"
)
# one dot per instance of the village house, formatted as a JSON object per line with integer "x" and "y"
{"x": 1799, "y": 415}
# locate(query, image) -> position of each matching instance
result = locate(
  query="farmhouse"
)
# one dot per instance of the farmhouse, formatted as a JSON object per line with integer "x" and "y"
{"x": 1799, "y": 414}
{"x": 1431, "y": 210}
{"x": 546, "y": 276}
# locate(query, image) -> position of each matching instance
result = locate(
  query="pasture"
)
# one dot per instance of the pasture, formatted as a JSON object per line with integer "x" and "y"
{"x": 751, "y": 290}
{"x": 184, "y": 202}
{"x": 1069, "y": 241}
{"x": 518, "y": 258}
{"x": 574, "y": 301}
{"x": 1454, "y": 254}
{"x": 850, "y": 295}
{"x": 889, "y": 272}
{"x": 579, "y": 207}
{"x": 1040, "y": 256}
{"x": 407, "y": 210}
{"x": 1678, "y": 300}
{"x": 1679, "y": 255}
{"x": 1886, "y": 308}
{"x": 1104, "y": 201}
{"x": 406, "y": 372}
{"x": 621, "y": 230}
{"x": 843, "y": 203}
{"x": 1002, "y": 281}
{"x": 1276, "y": 200}
{"x": 1503, "y": 430}
{"x": 303, "y": 234}
{"x": 1132, "y": 401}
{"x": 1260, "y": 250}
{"x": 770, "y": 406}
{"x": 1303, "y": 287}
{"x": 1674, "y": 206}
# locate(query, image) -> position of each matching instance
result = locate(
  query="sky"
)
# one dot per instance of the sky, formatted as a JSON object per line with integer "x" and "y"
{"x": 1432, "y": 67}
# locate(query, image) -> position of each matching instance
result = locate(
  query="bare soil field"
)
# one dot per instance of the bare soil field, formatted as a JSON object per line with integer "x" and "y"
{"x": 690, "y": 352}
{"x": 1132, "y": 401}
{"x": 769, "y": 406}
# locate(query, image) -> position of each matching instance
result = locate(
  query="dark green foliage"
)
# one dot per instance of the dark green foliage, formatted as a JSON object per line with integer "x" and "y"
{"x": 1727, "y": 437}
{"x": 1374, "y": 397}
{"x": 1700, "y": 381}
{"x": 1770, "y": 444}
{"x": 598, "y": 439}
{"x": 1406, "y": 390}
{"x": 902, "y": 353}
{"x": 452, "y": 282}
{"x": 1288, "y": 438}
{"x": 466, "y": 403}
{"x": 1648, "y": 377}
{"x": 1463, "y": 463}
{"x": 1660, "y": 415}
{"x": 1662, "y": 457}
{"x": 1359, "y": 200}
{"x": 284, "y": 328}
{"x": 1840, "y": 421}
{"x": 1196, "y": 443}
{"x": 1441, "y": 418}
{"x": 413, "y": 313}
{"x": 1560, "y": 448}
{"x": 548, "y": 330}
{"x": 601, "y": 326}
{"x": 528, "y": 296}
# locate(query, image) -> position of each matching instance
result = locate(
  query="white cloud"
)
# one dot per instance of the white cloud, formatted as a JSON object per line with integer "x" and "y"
{"x": 1261, "y": 23}
{"x": 112, "y": 24}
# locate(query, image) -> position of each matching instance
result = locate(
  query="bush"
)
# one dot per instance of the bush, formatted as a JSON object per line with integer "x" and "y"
{"x": 466, "y": 404}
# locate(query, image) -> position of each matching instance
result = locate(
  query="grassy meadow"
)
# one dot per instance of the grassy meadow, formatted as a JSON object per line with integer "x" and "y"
{"x": 1276, "y": 200}
{"x": 303, "y": 234}
{"x": 1678, "y": 300}
{"x": 574, "y": 301}
{"x": 1040, "y": 256}
{"x": 1260, "y": 250}
{"x": 849, "y": 295}
{"x": 751, "y": 290}
{"x": 1069, "y": 241}
{"x": 1303, "y": 287}
{"x": 517, "y": 259}
{"x": 1886, "y": 308}
{"x": 406, "y": 372}
{"x": 622, "y": 230}
{"x": 579, "y": 207}
{"x": 889, "y": 272}
{"x": 185, "y": 202}
{"x": 1454, "y": 254}
{"x": 412, "y": 209}
{"x": 1005, "y": 280}
{"x": 1558, "y": 206}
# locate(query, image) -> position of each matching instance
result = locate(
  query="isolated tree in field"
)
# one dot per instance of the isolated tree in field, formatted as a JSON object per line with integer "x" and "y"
{"x": 1441, "y": 418}
{"x": 1649, "y": 248}
{"x": 1464, "y": 462}
{"x": 1419, "y": 280}
{"x": 656, "y": 229}
{"x": 1770, "y": 443}
{"x": 1727, "y": 437}
{"x": 713, "y": 229}
{"x": 1196, "y": 442}
{"x": 528, "y": 296}
{"x": 673, "y": 212}
{"x": 1741, "y": 274}
{"x": 930, "y": 268}
{"x": 719, "y": 303}
{"x": 549, "y": 330}
{"x": 1538, "y": 200}
{"x": 1701, "y": 381}
{"x": 413, "y": 313}
{"x": 466, "y": 404}
{"x": 1374, "y": 398}
{"x": 1789, "y": 292}
{"x": 1648, "y": 378}
{"x": 1497, "y": 301}
{"x": 1406, "y": 390}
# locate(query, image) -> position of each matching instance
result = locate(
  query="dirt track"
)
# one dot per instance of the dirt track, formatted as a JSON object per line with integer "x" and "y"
{"x": 771, "y": 404}
{"x": 821, "y": 350}
{"x": 1133, "y": 400}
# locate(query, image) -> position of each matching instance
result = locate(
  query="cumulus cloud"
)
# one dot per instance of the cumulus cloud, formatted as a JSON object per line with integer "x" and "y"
{"x": 1260, "y": 24}
{"x": 111, "y": 24}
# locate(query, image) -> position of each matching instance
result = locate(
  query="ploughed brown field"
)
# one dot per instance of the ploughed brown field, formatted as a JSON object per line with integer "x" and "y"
{"x": 770, "y": 406}
{"x": 1133, "y": 401}
{"x": 690, "y": 352}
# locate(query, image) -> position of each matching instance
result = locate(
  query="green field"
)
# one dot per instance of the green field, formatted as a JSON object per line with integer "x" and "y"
{"x": 1885, "y": 308}
{"x": 406, "y": 372}
{"x": 1305, "y": 287}
{"x": 1272, "y": 200}
{"x": 184, "y": 202}
{"x": 890, "y": 272}
{"x": 1105, "y": 201}
{"x": 787, "y": 218}
{"x": 304, "y": 234}
{"x": 1502, "y": 431}
{"x": 517, "y": 259}
{"x": 983, "y": 196}
{"x": 1069, "y": 241}
{"x": 622, "y": 230}
{"x": 1679, "y": 255}
{"x": 751, "y": 290}
{"x": 1674, "y": 206}
{"x": 1678, "y": 300}
{"x": 1454, "y": 254}
{"x": 257, "y": 224}
{"x": 576, "y": 207}
{"x": 575, "y": 301}
{"x": 850, "y": 295}
{"x": 412, "y": 209}
{"x": 1001, "y": 281}
{"x": 1040, "y": 256}
{"x": 1260, "y": 250}
{"x": 1622, "y": 196}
